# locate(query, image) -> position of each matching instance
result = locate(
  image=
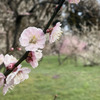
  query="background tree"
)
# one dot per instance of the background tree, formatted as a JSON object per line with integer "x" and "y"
{"x": 16, "y": 15}
{"x": 87, "y": 11}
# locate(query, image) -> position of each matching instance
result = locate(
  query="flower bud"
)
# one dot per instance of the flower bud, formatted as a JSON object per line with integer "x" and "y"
{"x": 11, "y": 49}
{"x": 10, "y": 66}
{"x": 19, "y": 49}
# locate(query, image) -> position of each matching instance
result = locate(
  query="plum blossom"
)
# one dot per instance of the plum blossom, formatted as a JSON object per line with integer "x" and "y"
{"x": 74, "y": 1}
{"x": 34, "y": 57}
{"x": 55, "y": 33}
{"x": 17, "y": 76}
{"x": 1, "y": 58}
{"x": 2, "y": 77}
{"x": 32, "y": 39}
{"x": 9, "y": 59}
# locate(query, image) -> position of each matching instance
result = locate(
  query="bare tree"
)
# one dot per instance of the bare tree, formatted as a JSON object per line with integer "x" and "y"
{"x": 19, "y": 14}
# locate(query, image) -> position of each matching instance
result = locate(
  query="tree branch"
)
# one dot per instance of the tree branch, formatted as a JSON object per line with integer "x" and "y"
{"x": 47, "y": 26}
{"x": 41, "y": 3}
{"x": 54, "y": 14}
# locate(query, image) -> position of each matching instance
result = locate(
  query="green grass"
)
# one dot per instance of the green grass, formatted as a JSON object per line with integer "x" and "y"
{"x": 67, "y": 81}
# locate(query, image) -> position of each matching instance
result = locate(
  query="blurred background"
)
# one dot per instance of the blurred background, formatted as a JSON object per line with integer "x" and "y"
{"x": 70, "y": 66}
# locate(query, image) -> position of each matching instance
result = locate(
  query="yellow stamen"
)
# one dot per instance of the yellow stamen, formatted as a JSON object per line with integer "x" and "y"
{"x": 33, "y": 40}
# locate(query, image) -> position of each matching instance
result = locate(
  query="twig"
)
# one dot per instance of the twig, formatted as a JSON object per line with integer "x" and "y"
{"x": 41, "y": 3}
{"x": 55, "y": 97}
{"x": 54, "y": 14}
{"x": 19, "y": 61}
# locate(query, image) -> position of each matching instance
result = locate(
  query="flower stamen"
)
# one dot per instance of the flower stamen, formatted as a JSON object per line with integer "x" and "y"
{"x": 33, "y": 40}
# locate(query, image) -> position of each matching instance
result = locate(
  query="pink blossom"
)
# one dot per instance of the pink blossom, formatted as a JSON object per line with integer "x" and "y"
{"x": 72, "y": 45}
{"x": 1, "y": 58}
{"x": 34, "y": 57}
{"x": 19, "y": 75}
{"x": 15, "y": 78}
{"x": 2, "y": 77}
{"x": 74, "y": 1}
{"x": 9, "y": 59}
{"x": 32, "y": 39}
{"x": 56, "y": 33}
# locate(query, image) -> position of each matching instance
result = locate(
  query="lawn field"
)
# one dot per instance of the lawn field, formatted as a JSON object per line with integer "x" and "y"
{"x": 66, "y": 81}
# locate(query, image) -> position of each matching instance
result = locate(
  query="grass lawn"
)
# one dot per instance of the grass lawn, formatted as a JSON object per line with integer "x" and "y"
{"x": 67, "y": 81}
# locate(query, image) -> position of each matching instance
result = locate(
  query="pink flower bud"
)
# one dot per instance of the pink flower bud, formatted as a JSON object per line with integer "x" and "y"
{"x": 12, "y": 49}
{"x": 10, "y": 66}
{"x": 19, "y": 49}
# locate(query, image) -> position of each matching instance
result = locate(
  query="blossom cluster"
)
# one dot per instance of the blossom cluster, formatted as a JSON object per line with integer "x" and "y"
{"x": 18, "y": 75}
{"x": 33, "y": 40}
